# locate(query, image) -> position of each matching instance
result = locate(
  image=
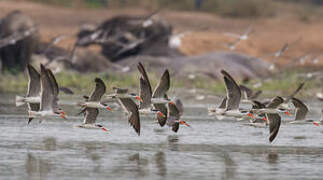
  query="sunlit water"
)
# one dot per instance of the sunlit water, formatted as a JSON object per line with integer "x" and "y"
{"x": 211, "y": 149}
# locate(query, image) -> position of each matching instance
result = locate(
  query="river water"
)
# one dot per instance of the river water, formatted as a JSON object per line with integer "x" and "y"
{"x": 211, "y": 149}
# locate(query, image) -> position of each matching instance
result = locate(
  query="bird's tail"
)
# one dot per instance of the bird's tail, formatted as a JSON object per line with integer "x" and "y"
{"x": 80, "y": 104}
{"x": 32, "y": 114}
{"x": 30, "y": 119}
{"x": 20, "y": 101}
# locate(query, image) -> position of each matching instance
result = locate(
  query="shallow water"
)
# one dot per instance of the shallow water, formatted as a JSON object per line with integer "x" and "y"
{"x": 210, "y": 149}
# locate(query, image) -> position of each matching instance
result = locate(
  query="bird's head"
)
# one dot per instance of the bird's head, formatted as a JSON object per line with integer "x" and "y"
{"x": 107, "y": 107}
{"x": 138, "y": 98}
{"x": 251, "y": 115}
{"x": 160, "y": 114}
{"x": 101, "y": 127}
{"x": 183, "y": 123}
{"x": 172, "y": 103}
{"x": 62, "y": 114}
{"x": 287, "y": 113}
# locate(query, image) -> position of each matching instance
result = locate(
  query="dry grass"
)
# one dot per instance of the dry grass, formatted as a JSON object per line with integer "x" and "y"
{"x": 205, "y": 31}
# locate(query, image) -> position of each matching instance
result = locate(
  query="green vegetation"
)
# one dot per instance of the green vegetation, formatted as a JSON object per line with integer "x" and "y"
{"x": 12, "y": 83}
{"x": 78, "y": 82}
{"x": 83, "y": 83}
{"x": 63, "y": 3}
{"x": 287, "y": 82}
{"x": 226, "y": 8}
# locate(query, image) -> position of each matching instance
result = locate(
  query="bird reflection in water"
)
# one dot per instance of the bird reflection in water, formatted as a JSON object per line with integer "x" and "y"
{"x": 141, "y": 164}
{"x": 229, "y": 166}
{"x": 272, "y": 157}
{"x": 172, "y": 142}
{"x": 90, "y": 149}
{"x": 161, "y": 164}
{"x": 49, "y": 143}
{"x": 36, "y": 168}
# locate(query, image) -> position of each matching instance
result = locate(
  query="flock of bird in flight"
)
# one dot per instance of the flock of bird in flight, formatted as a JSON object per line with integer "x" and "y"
{"x": 245, "y": 36}
{"x": 261, "y": 114}
{"x": 43, "y": 90}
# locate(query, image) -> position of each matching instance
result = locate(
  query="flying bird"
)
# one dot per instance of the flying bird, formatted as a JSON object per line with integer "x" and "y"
{"x": 248, "y": 93}
{"x": 301, "y": 112}
{"x": 239, "y": 37}
{"x": 243, "y": 36}
{"x": 48, "y": 96}
{"x": 94, "y": 100}
{"x": 122, "y": 93}
{"x": 148, "y": 97}
{"x": 174, "y": 116}
{"x": 131, "y": 108}
{"x": 90, "y": 107}
{"x": 230, "y": 104}
{"x": 33, "y": 94}
{"x": 319, "y": 96}
{"x": 274, "y": 125}
{"x": 277, "y": 55}
{"x": 161, "y": 93}
{"x": 273, "y": 118}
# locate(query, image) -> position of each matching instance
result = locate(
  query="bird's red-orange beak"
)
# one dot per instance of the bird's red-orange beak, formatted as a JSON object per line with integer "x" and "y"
{"x": 265, "y": 119}
{"x": 184, "y": 123}
{"x": 108, "y": 108}
{"x": 251, "y": 115}
{"x": 104, "y": 129}
{"x": 287, "y": 113}
{"x": 316, "y": 123}
{"x": 138, "y": 98}
{"x": 63, "y": 114}
{"x": 172, "y": 102}
{"x": 161, "y": 114}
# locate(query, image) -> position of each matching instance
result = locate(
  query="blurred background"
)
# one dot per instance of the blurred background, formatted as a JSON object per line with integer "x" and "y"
{"x": 270, "y": 46}
{"x": 266, "y": 44}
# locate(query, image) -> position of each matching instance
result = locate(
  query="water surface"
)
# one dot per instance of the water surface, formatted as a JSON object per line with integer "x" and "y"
{"x": 210, "y": 149}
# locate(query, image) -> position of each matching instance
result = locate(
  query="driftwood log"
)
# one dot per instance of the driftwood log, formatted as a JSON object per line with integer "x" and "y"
{"x": 124, "y": 36}
{"x": 18, "y": 41}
